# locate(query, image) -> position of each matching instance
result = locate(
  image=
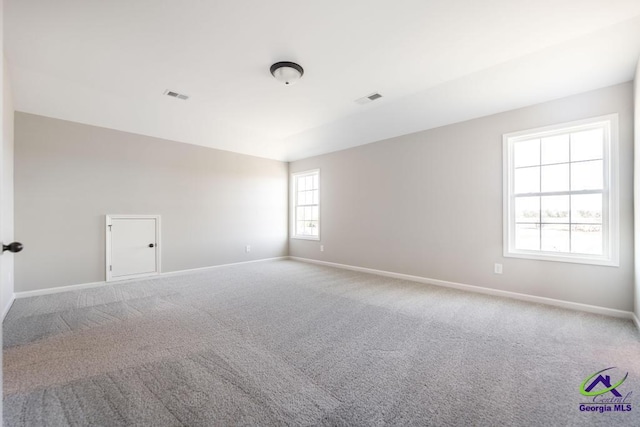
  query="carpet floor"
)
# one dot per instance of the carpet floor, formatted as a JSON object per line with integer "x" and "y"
{"x": 290, "y": 343}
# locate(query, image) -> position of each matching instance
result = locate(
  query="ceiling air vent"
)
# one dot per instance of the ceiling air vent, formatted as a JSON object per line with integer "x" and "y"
{"x": 176, "y": 94}
{"x": 369, "y": 98}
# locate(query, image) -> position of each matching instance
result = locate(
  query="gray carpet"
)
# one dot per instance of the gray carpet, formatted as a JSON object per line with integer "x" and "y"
{"x": 289, "y": 343}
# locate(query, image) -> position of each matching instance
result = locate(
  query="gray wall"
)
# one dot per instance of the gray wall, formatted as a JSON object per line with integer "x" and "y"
{"x": 430, "y": 204}
{"x": 69, "y": 175}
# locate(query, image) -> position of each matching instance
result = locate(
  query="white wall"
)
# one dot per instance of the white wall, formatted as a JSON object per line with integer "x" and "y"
{"x": 429, "y": 204}
{"x": 637, "y": 189}
{"x": 68, "y": 176}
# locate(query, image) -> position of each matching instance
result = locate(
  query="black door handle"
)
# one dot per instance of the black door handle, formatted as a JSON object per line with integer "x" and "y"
{"x": 12, "y": 247}
{"x": 151, "y": 245}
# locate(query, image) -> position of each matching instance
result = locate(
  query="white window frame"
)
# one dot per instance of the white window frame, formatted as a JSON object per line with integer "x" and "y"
{"x": 610, "y": 214}
{"x": 294, "y": 204}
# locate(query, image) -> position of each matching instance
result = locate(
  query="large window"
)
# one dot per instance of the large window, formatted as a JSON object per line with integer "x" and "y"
{"x": 306, "y": 205}
{"x": 560, "y": 192}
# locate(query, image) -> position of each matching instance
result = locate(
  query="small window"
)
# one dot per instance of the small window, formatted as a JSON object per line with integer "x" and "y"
{"x": 306, "y": 205}
{"x": 560, "y": 192}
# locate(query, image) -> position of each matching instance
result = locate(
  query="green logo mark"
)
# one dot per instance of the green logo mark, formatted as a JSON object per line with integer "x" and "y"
{"x": 605, "y": 380}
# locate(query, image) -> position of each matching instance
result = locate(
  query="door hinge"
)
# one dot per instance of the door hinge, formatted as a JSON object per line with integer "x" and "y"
{"x": 109, "y": 227}
{"x": 111, "y": 268}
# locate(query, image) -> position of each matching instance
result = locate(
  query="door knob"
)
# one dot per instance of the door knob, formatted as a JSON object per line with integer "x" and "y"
{"x": 12, "y": 247}
{"x": 151, "y": 245}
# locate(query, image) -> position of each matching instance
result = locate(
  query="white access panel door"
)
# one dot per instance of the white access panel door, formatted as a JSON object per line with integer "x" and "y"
{"x": 132, "y": 246}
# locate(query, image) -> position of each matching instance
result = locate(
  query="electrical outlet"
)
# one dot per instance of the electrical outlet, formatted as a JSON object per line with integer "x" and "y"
{"x": 247, "y": 248}
{"x": 497, "y": 268}
{"x": 321, "y": 248}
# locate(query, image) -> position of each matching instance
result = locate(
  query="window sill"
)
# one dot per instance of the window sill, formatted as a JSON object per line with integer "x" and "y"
{"x": 306, "y": 238}
{"x": 578, "y": 259}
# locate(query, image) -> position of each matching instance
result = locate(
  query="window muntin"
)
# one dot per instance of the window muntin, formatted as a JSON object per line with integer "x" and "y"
{"x": 561, "y": 192}
{"x": 306, "y": 205}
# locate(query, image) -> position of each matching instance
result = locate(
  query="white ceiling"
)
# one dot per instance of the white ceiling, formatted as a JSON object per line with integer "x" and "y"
{"x": 107, "y": 63}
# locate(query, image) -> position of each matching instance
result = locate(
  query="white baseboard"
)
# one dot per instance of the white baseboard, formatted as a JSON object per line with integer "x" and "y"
{"x": 47, "y": 291}
{"x": 7, "y": 307}
{"x": 58, "y": 289}
{"x": 482, "y": 290}
{"x": 460, "y": 286}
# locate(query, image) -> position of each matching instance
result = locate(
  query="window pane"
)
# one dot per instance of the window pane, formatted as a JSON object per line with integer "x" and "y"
{"x": 300, "y": 227}
{"x": 555, "y": 238}
{"x": 528, "y": 236}
{"x": 526, "y": 153}
{"x": 555, "y": 149}
{"x": 586, "y": 208}
{"x": 557, "y": 192}
{"x": 555, "y": 209}
{"x": 527, "y": 180}
{"x": 587, "y": 175}
{"x": 587, "y": 145}
{"x": 586, "y": 239}
{"x": 306, "y": 210}
{"x": 555, "y": 178}
{"x": 302, "y": 183}
{"x": 527, "y": 209}
{"x": 311, "y": 228}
